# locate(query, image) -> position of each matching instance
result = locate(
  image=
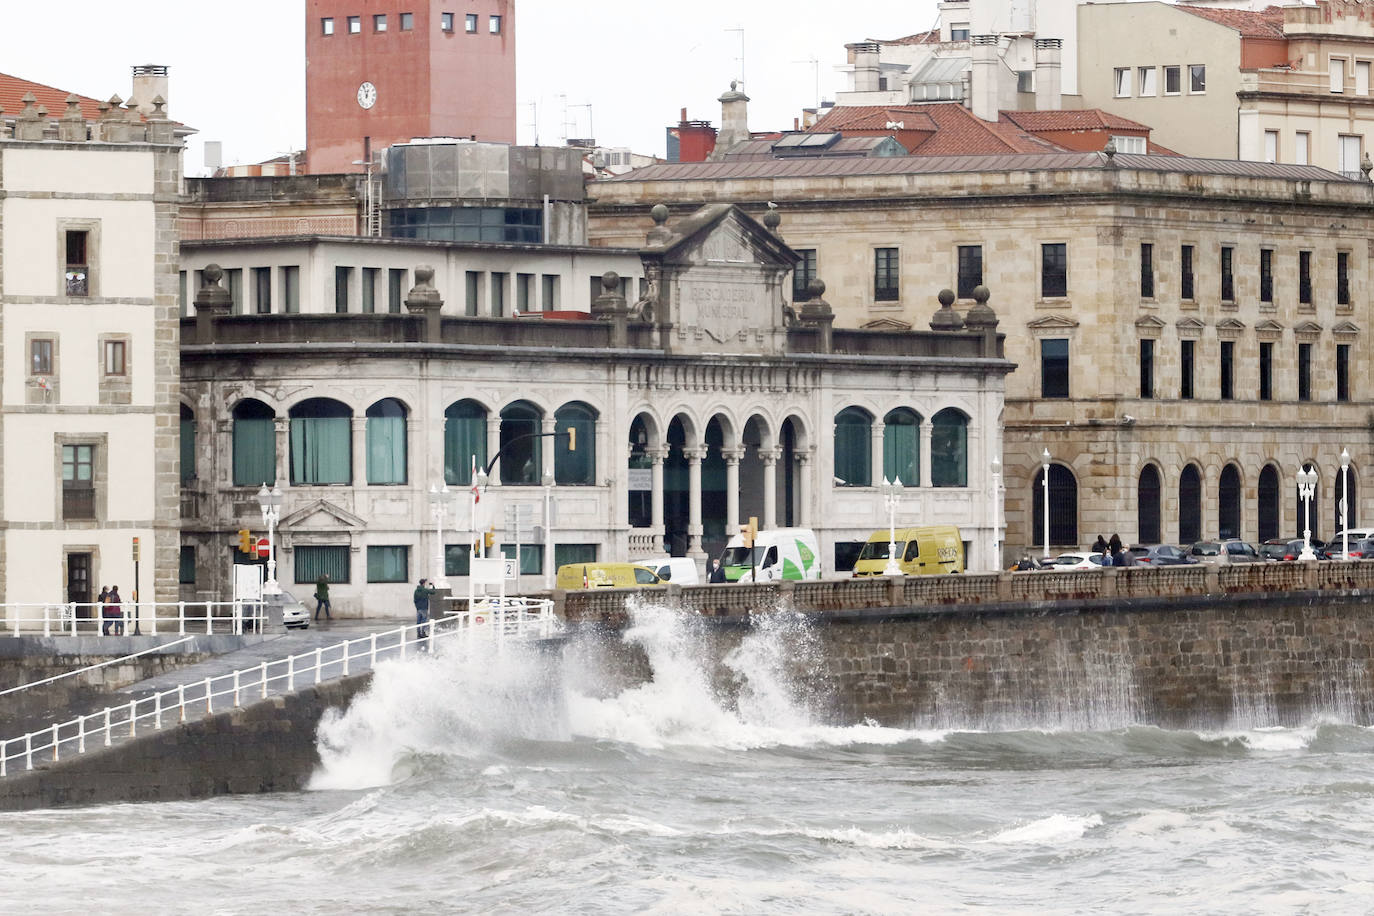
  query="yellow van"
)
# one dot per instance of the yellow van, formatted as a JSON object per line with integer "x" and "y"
{"x": 605, "y": 575}
{"x": 924, "y": 551}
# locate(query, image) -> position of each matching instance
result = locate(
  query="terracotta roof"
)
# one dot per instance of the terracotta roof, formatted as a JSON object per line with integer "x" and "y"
{"x": 13, "y": 89}
{"x": 956, "y": 132}
{"x": 920, "y": 38}
{"x": 1077, "y": 119}
{"x": 1265, "y": 23}
{"x": 874, "y": 117}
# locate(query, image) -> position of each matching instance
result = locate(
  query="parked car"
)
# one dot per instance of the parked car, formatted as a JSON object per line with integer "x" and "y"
{"x": 1289, "y": 549}
{"x": 1361, "y": 549}
{"x": 1070, "y": 561}
{"x": 285, "y": 608}
{"x": 1231, "y": 550}
{"x": 1332, "y": 548}
{"x": 678, "y": 570}
{"x": 1160, "y": 555}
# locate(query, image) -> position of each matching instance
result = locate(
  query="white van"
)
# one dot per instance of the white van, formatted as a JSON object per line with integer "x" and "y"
{"x": 781, "y": 553}
{"x": 677, "y": 570}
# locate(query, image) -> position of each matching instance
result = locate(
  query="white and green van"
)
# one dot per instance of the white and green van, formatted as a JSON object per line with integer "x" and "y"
{"x": 780, "y": 553}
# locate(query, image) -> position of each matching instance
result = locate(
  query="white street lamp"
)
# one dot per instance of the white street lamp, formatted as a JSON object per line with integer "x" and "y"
{"x": 1345, "y": 495}
{"x": 269, "y": 501}
{"x": 1045, "y": 499}
{"x": 996, "y": 513}
{"x": 438, "y": 505}
{"x": 548, "y": 529}
{"x": 1307, "y": 486}
{"x": 479, "y": 486}
{"x": 892, "y": 494}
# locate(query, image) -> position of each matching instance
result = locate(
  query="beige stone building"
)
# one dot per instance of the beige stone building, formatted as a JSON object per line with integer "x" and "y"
{"x": 1187, "y": 333}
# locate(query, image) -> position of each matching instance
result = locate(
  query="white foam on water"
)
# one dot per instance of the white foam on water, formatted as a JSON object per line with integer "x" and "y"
{"x": 1268, "y": 738}
{"x": 1057, "y": 828}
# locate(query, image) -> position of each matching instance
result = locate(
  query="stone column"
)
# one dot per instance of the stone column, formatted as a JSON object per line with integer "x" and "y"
{"x": 732, "y": 520}
{"x": 804, "y": 512}
{"x": 876, "y": 475}
{"x": 282, "y": 442}
{"x": 770, "y": 485}
{"x": 926, "y": 457}
{"x": 547, "y": 446}
{"x": 694, "y": 457}
{"x": 656, "y": 457}
{"x": 493, "y": 446}
{"x": 360, "y": 451}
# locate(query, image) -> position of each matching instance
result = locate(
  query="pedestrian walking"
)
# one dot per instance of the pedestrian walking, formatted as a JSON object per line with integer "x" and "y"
{"x": 114, "y": 612}
{"x": 717, "y": 573}
{"x": 1100, "y": 545}
{"x": 100, "y": 609}
{"x": 322, "y": 598}
{"x": 423, "y": 592}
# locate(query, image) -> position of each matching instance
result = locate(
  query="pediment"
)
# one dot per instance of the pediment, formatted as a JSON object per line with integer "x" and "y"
{"x": 886, "y": 324}
{"x": 322, "y": 514}
{"x": 1268, "y": 329}
{"x": 1189, "y": 327}
{"x": 1052, "y": 323}
{"x": 1307, "y": 331}
{"x": 1149, "y": 326}
{"x": 1230, "y": 328}
{"x": 1345, "y": 329}
{"x": 721, "y": 233}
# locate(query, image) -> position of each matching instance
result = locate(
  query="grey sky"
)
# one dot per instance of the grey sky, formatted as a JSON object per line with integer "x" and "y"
{"x": 237, "y": 70}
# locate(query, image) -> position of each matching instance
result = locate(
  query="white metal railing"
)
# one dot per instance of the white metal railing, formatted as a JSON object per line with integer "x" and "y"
{"x": 150, "y": 618}
{"x": 80, "y": 671}
{"x": 497, "y": 619}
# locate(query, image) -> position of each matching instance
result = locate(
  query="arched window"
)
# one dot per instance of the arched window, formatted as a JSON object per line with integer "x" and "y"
{"x": 522, "y": 457}
{"x": 255, "y": 444}
{"x": 1228, "y": 503}
{"x": 1189, "y": 505}
{"x": 321, "y": 442}
{"x": 188, "y": 444}
{"x": 902, "y": 446}
{"x": 949, "y": 451}
{"x": 1351, "y": 519}
{"x": 386, "y": 442}
{"x": 853, "y": 448}
{"x": 465, "y": 435}
{"x": 1147, "y": 514}
{"x": 1063, "y": 507}
{"x": 574, "y": 467}
{"x": 1268, "y": 492}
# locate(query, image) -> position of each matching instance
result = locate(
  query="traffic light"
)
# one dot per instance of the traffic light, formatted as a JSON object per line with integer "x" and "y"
{"x": 245, "y": 540}
{"x": 750, "y": 531}
{"x": 489, "y": 538}
{"x": 572, "y": 438}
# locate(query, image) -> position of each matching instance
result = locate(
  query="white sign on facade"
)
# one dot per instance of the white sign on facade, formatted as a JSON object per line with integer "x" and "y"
{"x": 641, "y": 478}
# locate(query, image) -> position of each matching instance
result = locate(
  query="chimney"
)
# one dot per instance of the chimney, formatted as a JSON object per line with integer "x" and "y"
{"x": 150, "y": 81}
{"x": 1048, "y": 92}
{"x": 865, "y": 57}
{"x": 734, "y": 120}
{"x": 983, "y": 79}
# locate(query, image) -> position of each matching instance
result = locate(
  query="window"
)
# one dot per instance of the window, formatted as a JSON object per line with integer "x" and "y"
{"x": 1349, "y": 155}
{"x": 1121, "y": 81}
{"x": 407, "y": 21}
{"x": 1147, "y": 368}
{"x": 386, "y": 443}
{"x": 321, "y": 442}
{"x": 327, "y": 25}
{"x": 1304, "y": 372}
{"x": 574, "y": 467}
{"x": 457, "y": 559}
{"x": 355, "y": 25}
{"x": 1173, "y": 81}
{"x": 1271, "y": 146}
{"x": 78, "y": 482}
{"x": 1343, "y": 372}
{"x": 341, "y": 277}
{"x": 521, "y": 448}
{"x": 114, "y": 363}
{"x": 949, "y": 449}
{"x": 1268, "y": 499}
{"x": 1185, "y": 286}
{"x": 1185, "y": 388}
{"x": 1054, "y": 280}
{"x": 262, "y": 290}
{"x": 473, "y": 299}
{"x": 370, "y": 289}
{"x": 1025, "y": 81}
{"x": 254, "y": 444}
{"x": 1228, "y": 507}
{"x": 183, "y": 296}
{"x": 802, "y": 274}
{"x": 1147, "y": 506}
{"x": 1190, "y": 505}
{"x": 233, "y": 281}
{"x": 290, "y": 289}
{"x": 1336, "y": 73}
{"x": 379, "y": 22}
{"x": 885, "y": 274}
{"x": 902, "y": 446}
{"x": 1228, "y": 287}
{"x": 1302, "y": 147}
{"x": 395, "y": 291}
{"x": 958, "y": 31}
{"x": 1266, "y": 371}
{"x": 1147, "y": 270}
{"x": 524, "y": 292}
{"x": 1227, "y": 369}
{"x": 388, "y": 564}
{"x": 1305, "y": 277}
{"x": 470, "y": 23}
{"x": 1197, "y": 78}
{"x": 1146, "y": 78}
{"x": 549, "y": 300}
{"x": 531, "y": 558}
{"x": 40, "y": 356}
{"x": 187, "y": 439}
{"x": 465, "y": 441}
{"x": 313, "y": 562}
{"x": 446, "y": 21}
{"x": 853, "y": 444}
{"x": 494, "y": 25}
{"x": 1054, "y": 367}
{"x": 1266, "y": 275}
{"x": 1342, "y": 278}
{"x": 186, "y": 573}
{"x": 77, "y": 273}
{"x": 563, "y": 554}
{"x": 1136, "y": 146}
{"x": 1063, "y": 500}
{"x": 970, "y": 269}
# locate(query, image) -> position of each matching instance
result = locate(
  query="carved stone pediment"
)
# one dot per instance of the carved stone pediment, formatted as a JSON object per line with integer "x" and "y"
{"x": 322, "y": 514}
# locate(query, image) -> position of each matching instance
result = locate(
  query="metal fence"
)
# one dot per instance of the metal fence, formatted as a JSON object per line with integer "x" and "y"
{"x": 149, "y": 618}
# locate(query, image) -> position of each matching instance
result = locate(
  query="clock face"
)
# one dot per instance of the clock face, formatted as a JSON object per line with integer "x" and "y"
{"x": 367, "y": 95}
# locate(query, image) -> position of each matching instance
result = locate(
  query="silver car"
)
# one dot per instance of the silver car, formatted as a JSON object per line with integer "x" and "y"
{"x": 1231, "y": 550}
{"x": 287, "y": 609}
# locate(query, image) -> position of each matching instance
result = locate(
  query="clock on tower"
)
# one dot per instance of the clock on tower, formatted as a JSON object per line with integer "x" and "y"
{"x": 367, "y": 95}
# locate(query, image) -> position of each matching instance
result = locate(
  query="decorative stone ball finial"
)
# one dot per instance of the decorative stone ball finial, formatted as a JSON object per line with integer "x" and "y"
{"x": 981, "y": 316}
{"x": 772, "y": 219}
{"x": 212, "y": 274}
{"x": 610, "y": 282}
{"x": 816, "y": 288}
{"x": 945, "y": 317}
{"x": 659, "y": 214}
{"x": 424, "y": 277}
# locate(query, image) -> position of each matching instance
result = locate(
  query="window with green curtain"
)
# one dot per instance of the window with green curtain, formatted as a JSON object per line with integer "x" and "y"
{"x": 312, "y": 562}
{"x": 321, "y": 442}
{"x": 386, "y": 442}
{"x": 188, "y": 565}
{"x": 949, "y": 449}
{"x": 457, "y": 559}
{"x": 575, "y": 467}
{"x": 388, "y": 564}
{"x": 563, "y": 554}
{"x": 188, "y": 444}
{"x": 853, "y": 447}
{"x": 902, "y": 446}
{"x": 465, "y": 435}
{"x": 521, "y": 458}
{"x": 255, "y": 444}
{"x": 531, "y": 558}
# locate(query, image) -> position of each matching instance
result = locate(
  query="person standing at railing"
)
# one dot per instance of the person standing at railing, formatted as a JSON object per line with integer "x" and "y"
{"x": 100, "y": 603}
{"x": 114, "y": 613}
{"x": 322, "y": 598}
{"x": 423, "y": 592}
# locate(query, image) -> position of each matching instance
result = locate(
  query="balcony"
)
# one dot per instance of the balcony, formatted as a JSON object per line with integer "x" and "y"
{"x": 78, "y": 503}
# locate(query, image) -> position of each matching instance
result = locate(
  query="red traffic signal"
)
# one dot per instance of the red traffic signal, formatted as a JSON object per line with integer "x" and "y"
{"x": 264, "y": 548}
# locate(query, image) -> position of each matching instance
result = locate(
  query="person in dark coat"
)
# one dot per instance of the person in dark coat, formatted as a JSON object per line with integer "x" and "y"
{"x": 1100, "y": 545}
{"x": 114, "y": 613}
{"x": 717, "y": 572}
{"x": 423, "y": 592}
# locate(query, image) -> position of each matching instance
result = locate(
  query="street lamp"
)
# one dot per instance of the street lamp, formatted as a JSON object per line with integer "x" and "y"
{"x": 892, "y": 494}
{"x": 996, "y": 513}
{"x": 1307, "y": 486}
{"x": 438, "y": 504}
{"x": 269, "y": 501}
{"x": 479, "y": 486}
{"x": 1045, "y": 500}
{"x": 1345, "y": 495}
{"x": 548, "y": 529}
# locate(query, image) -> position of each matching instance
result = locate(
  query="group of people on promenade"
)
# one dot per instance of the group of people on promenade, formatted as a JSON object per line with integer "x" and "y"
{"x": 111, "y": 611}
{"x": 1114, "y": 553}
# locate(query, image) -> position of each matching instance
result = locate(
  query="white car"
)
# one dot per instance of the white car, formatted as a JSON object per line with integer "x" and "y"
{"x": 293, "y": 613}
{"x": 1071, "y": 561}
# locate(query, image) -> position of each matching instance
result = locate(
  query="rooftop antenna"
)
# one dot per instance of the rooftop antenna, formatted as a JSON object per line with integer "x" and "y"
{"x": 534, "y": 121}
{"x": 816, "y": 72}
{"x": 740, "y": 60}
{"x": 591, "y": 125}
{"x": 566, "y": 132}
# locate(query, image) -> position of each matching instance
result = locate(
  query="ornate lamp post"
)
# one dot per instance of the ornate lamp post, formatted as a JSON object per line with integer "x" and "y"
{"x": 479, "y": 486}
{"x": 1345, "y": 496}
{"x": 1045, "y": 499}
{"x": 269, "y": 501}
{"x": 892, "y": 494}
{"x": 438, "y": 505}
{"x": 996, "y": 513}
{"x": 1307, "y": 486}
{"x": 548, "y": 529}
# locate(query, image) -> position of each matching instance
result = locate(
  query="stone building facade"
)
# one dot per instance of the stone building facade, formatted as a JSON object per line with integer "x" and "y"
{"x": 88, "y": 344}
{"x": 1187, "y": 333}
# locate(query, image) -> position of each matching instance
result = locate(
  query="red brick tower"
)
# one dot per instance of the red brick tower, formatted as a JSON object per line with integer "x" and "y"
{"x": 380, "y": 72}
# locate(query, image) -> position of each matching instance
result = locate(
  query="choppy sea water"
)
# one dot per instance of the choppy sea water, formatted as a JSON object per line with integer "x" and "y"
{"x": 483, "y": 784}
